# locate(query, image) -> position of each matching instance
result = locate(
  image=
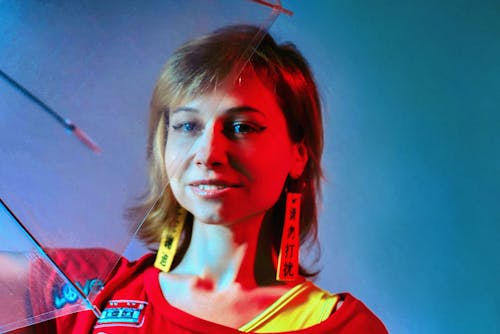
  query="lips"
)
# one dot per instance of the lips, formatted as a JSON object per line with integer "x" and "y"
{"x": 213, "y": 183}
{"x": 209, "y": 187}
{"x": 212, "y": 188}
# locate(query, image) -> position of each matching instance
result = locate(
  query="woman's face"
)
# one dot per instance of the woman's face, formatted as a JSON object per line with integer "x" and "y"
{"x": 228, "y": 153}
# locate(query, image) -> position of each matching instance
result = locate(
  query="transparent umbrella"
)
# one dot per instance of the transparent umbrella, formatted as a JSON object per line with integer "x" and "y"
{"x": 75, "y": 83}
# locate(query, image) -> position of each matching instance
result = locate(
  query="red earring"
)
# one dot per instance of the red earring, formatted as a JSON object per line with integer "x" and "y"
{"x": 288, "y": 259}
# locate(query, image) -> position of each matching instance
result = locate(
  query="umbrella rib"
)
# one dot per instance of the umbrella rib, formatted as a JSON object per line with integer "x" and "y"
{"x": 68, "y": 124}
{"x": 276, "y": 7}
{"x": 47, "y": 257}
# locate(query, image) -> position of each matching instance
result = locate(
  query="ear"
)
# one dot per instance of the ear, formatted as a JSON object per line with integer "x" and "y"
{"x": 299, "y": 160}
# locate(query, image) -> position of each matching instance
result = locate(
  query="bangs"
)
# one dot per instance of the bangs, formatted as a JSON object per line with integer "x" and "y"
{"x": 209, "y": 63}
{"x": 188, "y": 76}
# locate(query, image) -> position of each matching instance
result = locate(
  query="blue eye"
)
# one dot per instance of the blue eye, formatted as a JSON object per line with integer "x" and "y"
{"x": 186, "y": 127}
{"x": 242, "y": 128}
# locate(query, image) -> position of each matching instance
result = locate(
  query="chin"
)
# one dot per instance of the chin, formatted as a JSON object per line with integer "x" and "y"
{"x": 213, "y": 219}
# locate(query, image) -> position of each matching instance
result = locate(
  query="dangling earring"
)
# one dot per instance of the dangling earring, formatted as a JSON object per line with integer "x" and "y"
{"x": 288, "y": 259}
{"x": 170, "y": 237}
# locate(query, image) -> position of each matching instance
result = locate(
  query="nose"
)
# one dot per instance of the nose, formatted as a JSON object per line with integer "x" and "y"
{"x": 210, "y": 149}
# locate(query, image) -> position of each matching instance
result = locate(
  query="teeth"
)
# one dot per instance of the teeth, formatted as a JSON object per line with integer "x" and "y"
{"x": 209, "y": 187}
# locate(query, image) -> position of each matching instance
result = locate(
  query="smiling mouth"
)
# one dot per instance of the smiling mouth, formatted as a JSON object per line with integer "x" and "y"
{"x": 213, "y": 184}
{"x": 209, "y": 187}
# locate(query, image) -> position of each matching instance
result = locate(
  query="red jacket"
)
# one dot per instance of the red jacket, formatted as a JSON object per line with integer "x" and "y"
{"x": 133, "y": 302}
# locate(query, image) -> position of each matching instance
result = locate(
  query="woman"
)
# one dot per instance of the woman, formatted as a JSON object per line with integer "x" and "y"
{"x": 235, "y": 150}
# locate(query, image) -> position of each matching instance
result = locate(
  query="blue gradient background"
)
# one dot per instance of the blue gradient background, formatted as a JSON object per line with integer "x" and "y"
{"x": 410, "y": 216}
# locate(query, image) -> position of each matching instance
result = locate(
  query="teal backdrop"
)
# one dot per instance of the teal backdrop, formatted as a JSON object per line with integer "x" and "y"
{"x": 411, "y": 214}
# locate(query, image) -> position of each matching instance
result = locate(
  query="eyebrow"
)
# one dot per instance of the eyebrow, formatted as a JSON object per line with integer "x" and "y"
{"x": 186, "y": 109}
{"x": 239, "y": 109}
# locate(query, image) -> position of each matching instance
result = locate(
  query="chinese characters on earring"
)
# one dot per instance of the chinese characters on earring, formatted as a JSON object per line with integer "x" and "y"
{"x": 288, "y": 259}
{"x": 170, "y": 237}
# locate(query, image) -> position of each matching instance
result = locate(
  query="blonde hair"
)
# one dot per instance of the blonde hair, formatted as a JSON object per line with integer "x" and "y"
{"x": 200, "y": 66}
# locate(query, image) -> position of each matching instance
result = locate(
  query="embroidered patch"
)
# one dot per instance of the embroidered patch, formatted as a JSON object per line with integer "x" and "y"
{"x": 129, "y": 313}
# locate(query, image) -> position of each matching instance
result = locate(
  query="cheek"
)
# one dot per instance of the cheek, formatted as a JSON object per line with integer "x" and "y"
{"x": 275, "y": 156}
{"x": 270, "y": 166}
{"x": 174, "y": 186}
{"x": 174, "y": 159}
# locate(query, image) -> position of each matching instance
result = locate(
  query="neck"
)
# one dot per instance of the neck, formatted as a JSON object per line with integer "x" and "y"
{"x": 221, "y": 256}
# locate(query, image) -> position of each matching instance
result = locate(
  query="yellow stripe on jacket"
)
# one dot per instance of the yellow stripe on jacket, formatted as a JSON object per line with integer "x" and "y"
{"x": 302, "y": 306}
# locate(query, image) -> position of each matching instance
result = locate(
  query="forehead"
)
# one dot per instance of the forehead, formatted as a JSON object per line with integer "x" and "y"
{"x": 246, "y": 90}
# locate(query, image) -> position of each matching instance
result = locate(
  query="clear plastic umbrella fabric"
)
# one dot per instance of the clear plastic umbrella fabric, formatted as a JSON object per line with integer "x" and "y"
{"x": 75, "y": 82}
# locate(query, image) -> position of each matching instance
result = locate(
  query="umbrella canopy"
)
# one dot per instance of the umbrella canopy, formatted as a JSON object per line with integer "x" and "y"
{"x": 75, "y": 83}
